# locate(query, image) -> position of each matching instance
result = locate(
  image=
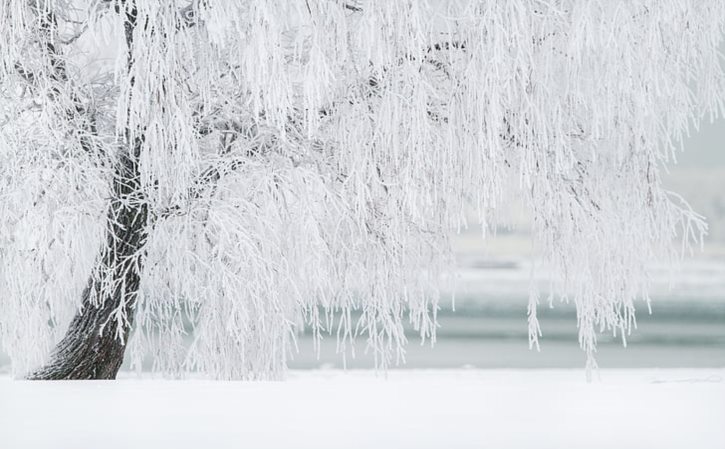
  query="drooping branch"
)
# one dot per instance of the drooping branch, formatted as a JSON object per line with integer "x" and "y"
{"x": 82, "y": 120}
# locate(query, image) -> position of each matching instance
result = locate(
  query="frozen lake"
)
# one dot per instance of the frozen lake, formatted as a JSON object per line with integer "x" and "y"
{"x": 690, "y": 334}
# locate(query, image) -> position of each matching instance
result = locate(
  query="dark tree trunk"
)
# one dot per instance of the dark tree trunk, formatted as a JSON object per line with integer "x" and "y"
{"x": 94, "y": 345}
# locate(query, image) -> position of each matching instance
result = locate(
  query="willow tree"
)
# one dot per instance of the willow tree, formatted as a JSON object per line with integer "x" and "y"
{"x": 259, "y": 167}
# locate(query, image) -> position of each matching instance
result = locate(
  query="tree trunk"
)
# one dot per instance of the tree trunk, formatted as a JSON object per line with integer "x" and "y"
{"x": 94, "y": 344}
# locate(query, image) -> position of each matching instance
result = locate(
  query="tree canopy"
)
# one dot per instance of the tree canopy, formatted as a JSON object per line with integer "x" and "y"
{"x": 302, "y": 163}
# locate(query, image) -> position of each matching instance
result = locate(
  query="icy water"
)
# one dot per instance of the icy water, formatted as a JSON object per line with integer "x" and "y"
{"x": 489, "y": 327}
{"x": 677, "y": 334}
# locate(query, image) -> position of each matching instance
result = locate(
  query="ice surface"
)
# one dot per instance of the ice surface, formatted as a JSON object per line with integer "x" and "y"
{"x": 357, "y": 409}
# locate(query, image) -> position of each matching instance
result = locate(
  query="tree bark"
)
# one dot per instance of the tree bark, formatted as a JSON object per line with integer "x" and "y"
{"x": 94, "y": 345}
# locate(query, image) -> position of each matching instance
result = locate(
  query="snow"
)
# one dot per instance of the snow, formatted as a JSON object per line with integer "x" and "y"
{"x": 671, "y": 408}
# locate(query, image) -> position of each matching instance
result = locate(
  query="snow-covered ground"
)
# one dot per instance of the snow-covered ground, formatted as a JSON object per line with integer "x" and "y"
{"x": 359, "y": 409}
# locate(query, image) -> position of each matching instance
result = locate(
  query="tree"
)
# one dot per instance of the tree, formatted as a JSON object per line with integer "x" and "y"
{"x": 254, "y": 168}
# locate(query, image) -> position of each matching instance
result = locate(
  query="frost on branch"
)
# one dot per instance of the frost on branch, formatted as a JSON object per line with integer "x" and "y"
{"x": 303, "y": 162}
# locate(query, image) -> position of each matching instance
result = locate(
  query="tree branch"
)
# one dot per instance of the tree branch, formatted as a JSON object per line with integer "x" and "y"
{"x": 58, "y": 76}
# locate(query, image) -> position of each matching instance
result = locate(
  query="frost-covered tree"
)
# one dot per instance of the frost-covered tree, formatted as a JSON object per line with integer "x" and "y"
{"x": 254, "y": 168}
